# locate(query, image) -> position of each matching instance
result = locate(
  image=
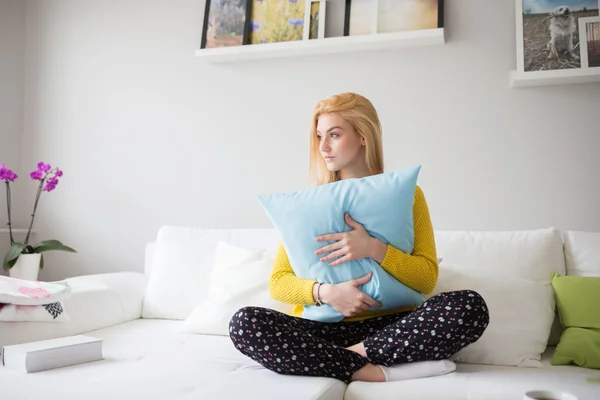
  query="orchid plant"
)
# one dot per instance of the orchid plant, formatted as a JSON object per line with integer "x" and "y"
{"x": 48, "y": 178}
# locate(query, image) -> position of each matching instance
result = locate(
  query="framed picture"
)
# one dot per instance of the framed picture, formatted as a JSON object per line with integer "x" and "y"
{"x": 314, "y": 19}
{"x": 361, "y": 17}
{"x": 547, "y": 33}
{"x": 589, "y": 32}
{"x": 369, "y": 17}
{"x": 276, "y": 21}
{"x": 226, "y": 23}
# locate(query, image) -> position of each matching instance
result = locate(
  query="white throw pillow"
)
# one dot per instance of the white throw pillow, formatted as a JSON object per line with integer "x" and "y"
{"x": 521, "y": 314}
{"x": 182, "y": 262}
{"x": 240, "y": 277}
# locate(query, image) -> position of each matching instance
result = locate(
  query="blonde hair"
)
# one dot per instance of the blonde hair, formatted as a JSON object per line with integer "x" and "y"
{"x": 361, "y": 114}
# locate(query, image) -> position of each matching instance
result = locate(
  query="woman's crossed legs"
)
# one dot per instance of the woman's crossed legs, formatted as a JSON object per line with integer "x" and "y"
{"x": 347, "y": 351}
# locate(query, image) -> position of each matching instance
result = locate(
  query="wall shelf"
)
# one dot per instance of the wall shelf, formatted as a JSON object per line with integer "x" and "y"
{"x": 343, "y": 44}
{"x": 555, "y": 77}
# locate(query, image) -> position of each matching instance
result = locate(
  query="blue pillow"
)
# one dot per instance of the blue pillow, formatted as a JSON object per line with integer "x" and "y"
{"x": 382, "y": 203}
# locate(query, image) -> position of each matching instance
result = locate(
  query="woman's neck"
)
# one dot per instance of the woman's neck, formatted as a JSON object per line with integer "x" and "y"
{"x": 354, "y": 172}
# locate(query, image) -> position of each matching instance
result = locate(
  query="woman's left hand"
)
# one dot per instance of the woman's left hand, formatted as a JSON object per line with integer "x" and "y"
{"x": 353, "y": 245}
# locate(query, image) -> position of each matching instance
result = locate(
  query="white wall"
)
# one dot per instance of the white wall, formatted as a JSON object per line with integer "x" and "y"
{"x": 148, "y": 135}
{"x": 12, "y": 46}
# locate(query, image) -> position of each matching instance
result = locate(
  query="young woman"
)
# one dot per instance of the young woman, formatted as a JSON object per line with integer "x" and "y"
{"x": 373, "y": 346}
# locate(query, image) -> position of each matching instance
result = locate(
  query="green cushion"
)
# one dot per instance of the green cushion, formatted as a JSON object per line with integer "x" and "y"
{"x": 578, "y": 303}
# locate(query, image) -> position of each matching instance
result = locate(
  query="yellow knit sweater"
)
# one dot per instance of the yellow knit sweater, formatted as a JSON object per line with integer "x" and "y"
{"x": 418, "y": 270}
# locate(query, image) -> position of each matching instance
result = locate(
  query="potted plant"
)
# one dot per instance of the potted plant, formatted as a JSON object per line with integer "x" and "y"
{"x": 24, "y": 260}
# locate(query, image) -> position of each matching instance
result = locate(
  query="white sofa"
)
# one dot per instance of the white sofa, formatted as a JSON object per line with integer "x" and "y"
{"x": 149, "y": 357}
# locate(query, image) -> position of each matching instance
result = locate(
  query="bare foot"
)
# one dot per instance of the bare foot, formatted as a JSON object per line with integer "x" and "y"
{"x": 369, "y": 373}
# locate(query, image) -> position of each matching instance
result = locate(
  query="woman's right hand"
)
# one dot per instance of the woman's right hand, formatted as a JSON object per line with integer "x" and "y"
{"x": 346, "y": 298}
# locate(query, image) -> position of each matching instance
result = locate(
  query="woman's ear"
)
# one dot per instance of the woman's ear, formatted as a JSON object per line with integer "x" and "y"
{"x": 362, "y": 141}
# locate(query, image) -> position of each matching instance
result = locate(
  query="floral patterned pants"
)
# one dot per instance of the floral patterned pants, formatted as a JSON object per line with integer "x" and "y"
{"x": 436, "y": 330}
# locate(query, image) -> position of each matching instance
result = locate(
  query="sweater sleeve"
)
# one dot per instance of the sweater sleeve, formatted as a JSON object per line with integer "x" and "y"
{"x": 285, "y": 286}
{"x": 418, "y": 270}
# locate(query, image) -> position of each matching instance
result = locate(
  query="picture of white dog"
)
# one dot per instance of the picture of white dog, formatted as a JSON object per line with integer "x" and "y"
{"x": 562, "y": 27}
{"x": 551, "y": 32}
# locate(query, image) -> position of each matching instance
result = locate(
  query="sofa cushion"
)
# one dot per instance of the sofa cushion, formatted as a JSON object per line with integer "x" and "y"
{"x": 149, "y": 359}
{"x": 582, "y": 253}
{"x": 512, "y": 271}
{"x": 485, "y": 382}
{"x": 240, "y": 278}
{"x": 382, "y": 203}
{"x": 529, "y": 254}
{"x": 182, "y": 262}
{"x": 520, "y": 316}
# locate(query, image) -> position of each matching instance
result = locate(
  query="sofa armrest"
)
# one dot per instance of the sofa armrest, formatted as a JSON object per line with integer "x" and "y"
{"x": 97, "y": 301}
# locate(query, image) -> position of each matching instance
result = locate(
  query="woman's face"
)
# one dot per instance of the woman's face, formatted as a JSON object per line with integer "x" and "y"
{"x": 339, "y": 144}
